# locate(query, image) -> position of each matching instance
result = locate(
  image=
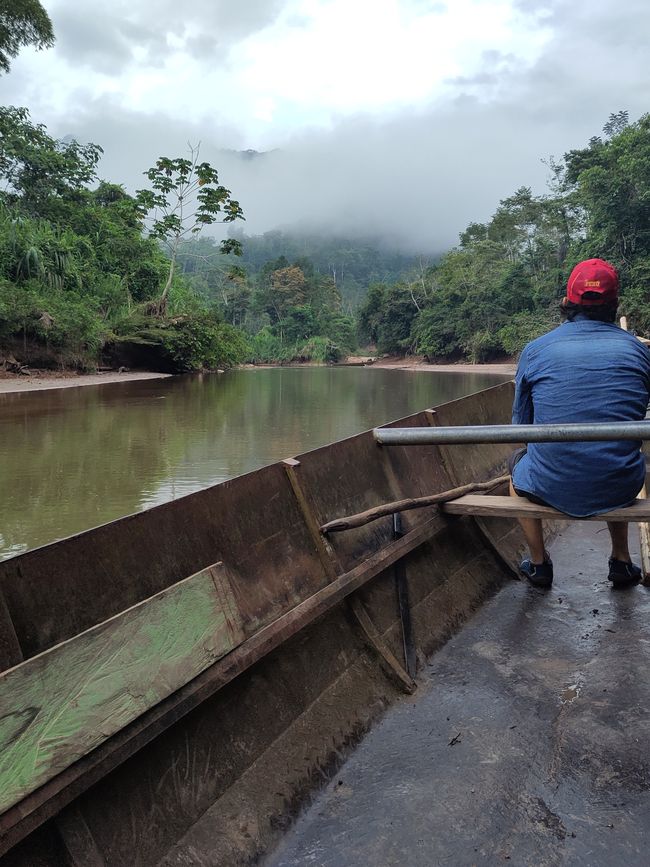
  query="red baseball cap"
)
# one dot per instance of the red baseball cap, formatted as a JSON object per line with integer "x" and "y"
{"x": 593, "y": 282}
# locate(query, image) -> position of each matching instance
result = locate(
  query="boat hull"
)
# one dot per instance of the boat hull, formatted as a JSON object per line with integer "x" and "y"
{"x": 234, "y": 750}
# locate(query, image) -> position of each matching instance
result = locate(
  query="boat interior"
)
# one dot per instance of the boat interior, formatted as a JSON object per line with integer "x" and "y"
{"x": 526, "y": 742}
{"x": 216, "y": 681}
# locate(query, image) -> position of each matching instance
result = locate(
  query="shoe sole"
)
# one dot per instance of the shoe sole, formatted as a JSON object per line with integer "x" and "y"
{"x": 541, "y": 584}
{"x": 620, "y": 583}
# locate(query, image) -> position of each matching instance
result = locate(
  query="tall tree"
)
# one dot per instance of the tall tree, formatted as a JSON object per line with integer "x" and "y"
{"x": 186, "y": 196}
{"x": 22, "y": 22}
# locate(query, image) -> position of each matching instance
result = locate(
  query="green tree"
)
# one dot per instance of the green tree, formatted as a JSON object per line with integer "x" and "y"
{"x": 611, "y": 181}
{"x": 279, "y": 290}
{"x": 370, "y": 313}
{"x": 22, "y": 22}
{"x": 186, "y": 196}
{"x": 40, "y": 174}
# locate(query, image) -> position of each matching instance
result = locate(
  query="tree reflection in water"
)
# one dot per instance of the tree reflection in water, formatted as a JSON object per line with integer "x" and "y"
{"x": 74, "y": 458}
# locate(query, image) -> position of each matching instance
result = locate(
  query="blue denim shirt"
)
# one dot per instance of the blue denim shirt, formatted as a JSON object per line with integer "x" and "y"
{"x": 583, "y": 371}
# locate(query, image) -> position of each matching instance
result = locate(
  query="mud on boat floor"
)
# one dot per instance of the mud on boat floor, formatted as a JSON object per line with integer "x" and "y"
{"x": 527, "y": 742}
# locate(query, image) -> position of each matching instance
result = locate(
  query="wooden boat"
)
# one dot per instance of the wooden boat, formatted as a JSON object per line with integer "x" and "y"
{"x": 177, "y": 683}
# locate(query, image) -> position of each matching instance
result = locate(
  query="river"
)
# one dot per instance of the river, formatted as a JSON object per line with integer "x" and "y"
{"x": 74, "y": 458}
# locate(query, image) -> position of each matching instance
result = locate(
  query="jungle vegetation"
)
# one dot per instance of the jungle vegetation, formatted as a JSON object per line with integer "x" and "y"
{"x": 90, "y": 274}
{"x": 502, "y": 285}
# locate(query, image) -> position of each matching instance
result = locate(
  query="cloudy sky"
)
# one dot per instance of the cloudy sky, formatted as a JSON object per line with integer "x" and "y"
{"x": 407, "y": 118}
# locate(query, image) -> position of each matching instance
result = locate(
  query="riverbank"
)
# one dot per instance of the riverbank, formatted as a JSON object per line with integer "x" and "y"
{"x": 14, "y": 382}
{"x": 501, "y": 368}
{"x": 507, "y": 368}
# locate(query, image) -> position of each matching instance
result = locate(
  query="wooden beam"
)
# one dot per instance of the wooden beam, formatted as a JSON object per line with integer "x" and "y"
{"x": 332, "y": 566}
{"x": 643, "y": 527}
{"x": 376, "y": 640}
{"x": 62, "y": 704}
{"x": 644, "y": 545}
{"x": 326, "y": 554}
{"x": 644, "y": 542}
{"x": 511, "y": 507}
{"x": 45, "y": 802}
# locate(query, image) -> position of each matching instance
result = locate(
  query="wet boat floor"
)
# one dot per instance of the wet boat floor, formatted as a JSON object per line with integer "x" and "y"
{"x": 526, "y": 743}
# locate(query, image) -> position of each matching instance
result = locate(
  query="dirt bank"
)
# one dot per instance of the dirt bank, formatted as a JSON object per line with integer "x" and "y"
{"x": 10, "y": 382}
{"x": 507, "y": 368}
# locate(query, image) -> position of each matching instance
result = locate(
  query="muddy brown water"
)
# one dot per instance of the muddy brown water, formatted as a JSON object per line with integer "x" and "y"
{"x": 73, "y": 458}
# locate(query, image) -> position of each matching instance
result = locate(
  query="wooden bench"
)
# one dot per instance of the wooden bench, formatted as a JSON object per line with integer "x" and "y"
{"x": 489, "y": 506}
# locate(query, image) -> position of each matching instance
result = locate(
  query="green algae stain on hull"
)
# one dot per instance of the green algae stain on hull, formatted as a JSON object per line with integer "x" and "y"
{"x": 58, "y": 706}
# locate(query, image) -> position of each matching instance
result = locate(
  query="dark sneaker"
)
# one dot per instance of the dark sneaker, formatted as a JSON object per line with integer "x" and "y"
{"x": 539, "y": 574}
{"x": 623, "y": 574}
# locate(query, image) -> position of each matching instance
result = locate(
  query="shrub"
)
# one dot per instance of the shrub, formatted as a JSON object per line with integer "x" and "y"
{"x": 522, "y": 328}
{"x": 482, "y": 346}
{"x": 321, "y": 349}
{"x": 266, "y": 347}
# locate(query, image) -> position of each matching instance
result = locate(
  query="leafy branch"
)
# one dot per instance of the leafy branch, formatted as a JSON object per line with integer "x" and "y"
{"x": 185, "y": 196}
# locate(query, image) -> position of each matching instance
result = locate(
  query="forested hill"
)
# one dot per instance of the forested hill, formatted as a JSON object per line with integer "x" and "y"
{"x": 498, "y": 289}
{"x": 91, "y": 274}
{"x": 352, "y": 263}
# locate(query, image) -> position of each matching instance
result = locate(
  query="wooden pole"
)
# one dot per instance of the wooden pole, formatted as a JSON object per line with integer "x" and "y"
{"x": 644, "y": 544}
{"x": 358, "y": 520}
{"x": 644, "y": 528}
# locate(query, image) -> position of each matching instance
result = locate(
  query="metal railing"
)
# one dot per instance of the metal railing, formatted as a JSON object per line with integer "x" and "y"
{"x": 510, "y": 433}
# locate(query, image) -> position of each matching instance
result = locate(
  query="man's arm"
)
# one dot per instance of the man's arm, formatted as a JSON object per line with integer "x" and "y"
{"x": 522, "y": 407}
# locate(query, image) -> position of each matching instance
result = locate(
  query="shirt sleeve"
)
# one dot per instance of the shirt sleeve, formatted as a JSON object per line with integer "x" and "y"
{"x": 522, "y": 407}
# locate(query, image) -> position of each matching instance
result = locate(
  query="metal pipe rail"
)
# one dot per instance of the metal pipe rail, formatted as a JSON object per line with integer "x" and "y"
{"x": 511, "y": 433}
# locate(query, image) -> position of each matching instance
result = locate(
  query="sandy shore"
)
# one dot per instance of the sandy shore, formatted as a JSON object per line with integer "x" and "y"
{"x": 506, "y": 368}
{"x": 41, "y": 381}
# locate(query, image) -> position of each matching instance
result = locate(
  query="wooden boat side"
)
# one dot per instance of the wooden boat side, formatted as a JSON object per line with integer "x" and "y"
{"x": 311, "y": 696}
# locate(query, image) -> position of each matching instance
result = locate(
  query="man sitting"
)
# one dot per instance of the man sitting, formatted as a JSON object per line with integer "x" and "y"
{"x": 586, "y": 370}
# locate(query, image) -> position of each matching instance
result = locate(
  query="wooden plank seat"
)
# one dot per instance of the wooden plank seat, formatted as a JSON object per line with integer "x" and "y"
{"x": 489, "y": 506}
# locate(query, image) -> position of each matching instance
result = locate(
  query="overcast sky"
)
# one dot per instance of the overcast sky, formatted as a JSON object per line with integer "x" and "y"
{"x": 408, "y": 118}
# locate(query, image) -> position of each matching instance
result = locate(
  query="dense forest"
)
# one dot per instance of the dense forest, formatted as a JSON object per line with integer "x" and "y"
{"x": 92, "y": 275}
{"x": 484, "y": 300}
{"x": 502, "y": 285}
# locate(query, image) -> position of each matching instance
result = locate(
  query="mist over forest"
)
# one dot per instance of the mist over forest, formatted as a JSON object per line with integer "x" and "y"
{"x": 362, "y": 130}
{"x": 415, "y": 182}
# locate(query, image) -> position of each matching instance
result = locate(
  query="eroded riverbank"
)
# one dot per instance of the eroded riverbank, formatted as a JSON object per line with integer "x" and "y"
{"x": 505, "y": 368}
{"x": 13, "y": 383}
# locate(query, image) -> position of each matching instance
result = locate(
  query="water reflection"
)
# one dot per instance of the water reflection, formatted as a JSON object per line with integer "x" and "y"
{"x": 74, "y": 458}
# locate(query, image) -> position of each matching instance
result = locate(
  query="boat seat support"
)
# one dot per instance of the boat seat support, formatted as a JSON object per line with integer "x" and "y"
{"x": 332, "y": 567}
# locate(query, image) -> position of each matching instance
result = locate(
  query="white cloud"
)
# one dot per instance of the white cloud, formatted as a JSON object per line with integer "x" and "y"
{"x": 405, "y": 117}
{"x": 305, "y": 63}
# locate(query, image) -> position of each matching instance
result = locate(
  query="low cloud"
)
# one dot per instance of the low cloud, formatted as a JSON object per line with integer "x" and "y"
{"x": 416, "y": 176}
{"x": 122, "y": 28}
